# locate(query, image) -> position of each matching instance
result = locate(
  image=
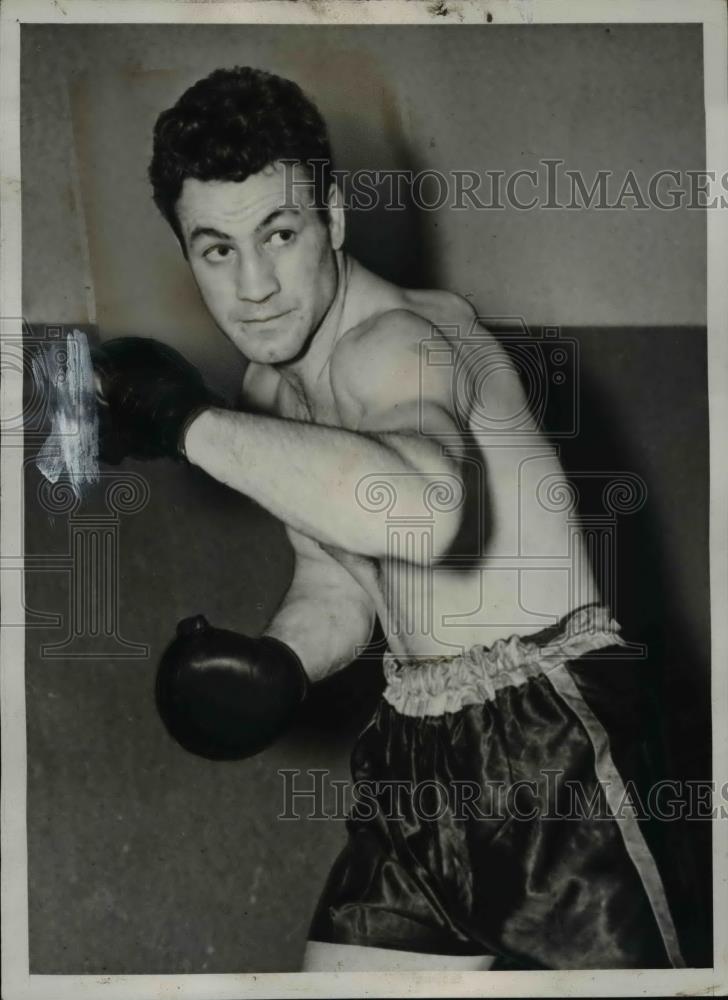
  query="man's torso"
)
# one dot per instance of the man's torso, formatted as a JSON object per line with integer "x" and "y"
{"x": 519, "y": 562}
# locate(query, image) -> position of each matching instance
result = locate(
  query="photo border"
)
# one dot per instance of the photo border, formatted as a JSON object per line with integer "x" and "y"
{"x": 17, "y": 983}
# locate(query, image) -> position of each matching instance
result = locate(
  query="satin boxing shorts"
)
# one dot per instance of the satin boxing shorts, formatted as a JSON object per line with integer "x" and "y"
{"x": 491, "y": 815}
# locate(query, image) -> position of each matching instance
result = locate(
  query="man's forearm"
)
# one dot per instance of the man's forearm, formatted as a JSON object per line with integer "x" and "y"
{"x": 326, "y": 632}
{"x": 308, "y": 474}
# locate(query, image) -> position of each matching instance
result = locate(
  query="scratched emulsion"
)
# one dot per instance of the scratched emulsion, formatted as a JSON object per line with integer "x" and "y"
{"x": 72, "y": 447}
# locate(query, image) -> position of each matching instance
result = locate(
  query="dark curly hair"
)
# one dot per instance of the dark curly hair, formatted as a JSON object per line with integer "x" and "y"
{"x": 229, "y": 126}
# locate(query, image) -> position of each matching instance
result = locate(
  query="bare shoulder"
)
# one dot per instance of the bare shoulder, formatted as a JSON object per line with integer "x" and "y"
{"x": 387, "y": 340}
{"x": 377, "y": 353}
{"x": 382, "y": 365}
{"x": 445, "y": 310}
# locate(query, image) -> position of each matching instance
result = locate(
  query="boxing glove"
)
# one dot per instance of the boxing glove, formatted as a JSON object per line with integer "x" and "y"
{"x": 147, "y": 395}
{"x": 225, "y": 696}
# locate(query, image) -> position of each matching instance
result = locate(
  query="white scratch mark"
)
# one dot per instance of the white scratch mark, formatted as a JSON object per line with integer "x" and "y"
{"x": 525, "y": 10}
{"x": 72, "y": 447}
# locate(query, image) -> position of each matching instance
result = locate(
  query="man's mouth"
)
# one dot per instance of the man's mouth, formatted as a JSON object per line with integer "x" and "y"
{"x": 262, "y": 319}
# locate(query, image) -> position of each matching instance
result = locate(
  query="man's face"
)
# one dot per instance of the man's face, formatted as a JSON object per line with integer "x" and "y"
{"x": 262, "y": 258}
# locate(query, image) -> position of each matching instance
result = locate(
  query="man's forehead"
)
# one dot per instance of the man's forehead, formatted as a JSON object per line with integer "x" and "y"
{"x": 277, "y": 186}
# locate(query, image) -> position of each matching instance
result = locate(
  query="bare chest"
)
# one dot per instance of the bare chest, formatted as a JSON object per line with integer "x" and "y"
{"x": 318, "y": 405}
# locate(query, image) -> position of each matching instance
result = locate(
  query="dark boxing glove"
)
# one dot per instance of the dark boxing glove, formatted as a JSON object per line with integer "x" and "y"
{"x": 226, "y": 696}
{"x": 147, "y": 395}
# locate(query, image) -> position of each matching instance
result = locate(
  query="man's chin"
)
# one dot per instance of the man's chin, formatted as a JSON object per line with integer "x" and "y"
{"x": 270, "y": 354}
{"x": 264, "y": 351}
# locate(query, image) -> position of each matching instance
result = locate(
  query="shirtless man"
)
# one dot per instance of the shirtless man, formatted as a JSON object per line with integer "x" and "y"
{"x": 406, "y": 497}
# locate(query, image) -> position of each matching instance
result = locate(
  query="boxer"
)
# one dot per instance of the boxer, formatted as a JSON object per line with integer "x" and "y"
{"x": 339, "y": 410}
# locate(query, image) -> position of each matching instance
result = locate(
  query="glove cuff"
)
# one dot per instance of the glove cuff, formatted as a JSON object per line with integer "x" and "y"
{"x": 193, "y": 415}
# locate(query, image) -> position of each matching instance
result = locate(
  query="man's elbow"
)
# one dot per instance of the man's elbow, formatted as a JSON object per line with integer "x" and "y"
{"x": 416, "y": 516}
{"x": 444, "y": 496}
{"x": 423, "y": 542}
{"x": 447, "y": 529}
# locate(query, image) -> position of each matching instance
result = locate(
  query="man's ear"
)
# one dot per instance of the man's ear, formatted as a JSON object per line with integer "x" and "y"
{"x": 337, "y": 222}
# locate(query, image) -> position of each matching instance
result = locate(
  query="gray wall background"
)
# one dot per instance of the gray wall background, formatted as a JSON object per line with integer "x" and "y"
{"x": 142, "y": 858}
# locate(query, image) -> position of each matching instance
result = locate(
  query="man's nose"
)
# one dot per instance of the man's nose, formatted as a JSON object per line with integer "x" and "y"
{"x": 256, "y": 279}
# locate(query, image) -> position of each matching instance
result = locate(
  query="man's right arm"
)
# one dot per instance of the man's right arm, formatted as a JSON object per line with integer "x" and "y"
{"x": 326, "y": 616}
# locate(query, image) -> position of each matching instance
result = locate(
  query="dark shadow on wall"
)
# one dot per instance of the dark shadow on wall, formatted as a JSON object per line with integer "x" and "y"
{"x": 386, "y": 230}
{"x": 669, "y": 452}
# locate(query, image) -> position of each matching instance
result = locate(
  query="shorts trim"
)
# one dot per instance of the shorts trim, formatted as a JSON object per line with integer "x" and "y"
{"x": 421, "y": 686}
{"x": 616, "y": 795}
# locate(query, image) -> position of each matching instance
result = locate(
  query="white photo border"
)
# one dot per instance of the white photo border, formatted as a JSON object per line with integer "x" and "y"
{"x": 17, "y": 983}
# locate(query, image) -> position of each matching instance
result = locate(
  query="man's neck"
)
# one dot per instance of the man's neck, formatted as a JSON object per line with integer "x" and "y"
{"x": 303, "y": 372}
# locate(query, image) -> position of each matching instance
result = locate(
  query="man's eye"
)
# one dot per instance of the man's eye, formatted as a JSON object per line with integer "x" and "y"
{"x": 217, "y": 253}
{"x": 282, "y": 237}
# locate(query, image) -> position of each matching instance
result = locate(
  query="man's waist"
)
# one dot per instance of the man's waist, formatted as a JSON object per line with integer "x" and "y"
{"x": 430, "y": 684}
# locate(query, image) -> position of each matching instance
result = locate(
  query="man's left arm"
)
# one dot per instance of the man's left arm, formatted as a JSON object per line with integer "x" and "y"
{"x": 310, "y": 475}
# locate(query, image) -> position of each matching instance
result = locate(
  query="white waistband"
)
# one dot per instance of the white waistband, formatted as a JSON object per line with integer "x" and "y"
{"x": 434, "y": 685}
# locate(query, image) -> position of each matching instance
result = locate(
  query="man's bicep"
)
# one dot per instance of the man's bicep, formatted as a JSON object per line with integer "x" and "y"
{"x": 326, "y": 616}
{"x": 427, "y": 418}
{"x": 318, "y": 576}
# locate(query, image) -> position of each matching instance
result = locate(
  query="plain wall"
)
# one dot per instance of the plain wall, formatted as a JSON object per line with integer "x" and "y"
{"x": 143, "y": 858}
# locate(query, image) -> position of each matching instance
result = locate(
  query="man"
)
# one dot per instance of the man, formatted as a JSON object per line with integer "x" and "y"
{"x": 390, "y": 433}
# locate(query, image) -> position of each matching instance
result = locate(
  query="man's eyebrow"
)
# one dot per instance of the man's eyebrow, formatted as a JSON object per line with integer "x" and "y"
{"x": 200, "y": 231}
{"x": 217, "y": 234}
{"x": 276, "y": 213}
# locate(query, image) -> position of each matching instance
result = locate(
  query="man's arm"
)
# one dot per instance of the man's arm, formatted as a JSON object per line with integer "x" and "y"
{"x": 313, "y": 477}
{"x": 326, "y": 617}
{"x": 227, "y": 696}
